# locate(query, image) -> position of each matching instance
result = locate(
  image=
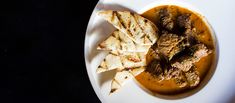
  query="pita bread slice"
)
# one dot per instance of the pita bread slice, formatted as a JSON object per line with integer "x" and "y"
{"x": 118, "y": 41}
{"x": 116, "y": 60}
{"x": 123, "y": 76}
{"x": 139, "y": 29}
{"x": 110, "y": 62}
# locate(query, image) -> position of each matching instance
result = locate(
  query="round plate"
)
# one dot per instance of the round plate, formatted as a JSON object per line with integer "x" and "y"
{"x": 220, "y": 16}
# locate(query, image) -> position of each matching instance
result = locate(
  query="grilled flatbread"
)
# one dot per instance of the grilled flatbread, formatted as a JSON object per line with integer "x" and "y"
{"x": 123, "y": 77}
{"x": 139, "y": 29}
{"x": 110, "y": 62}
{"x": 118, "y": 41}
{"x": 115, "y": 60}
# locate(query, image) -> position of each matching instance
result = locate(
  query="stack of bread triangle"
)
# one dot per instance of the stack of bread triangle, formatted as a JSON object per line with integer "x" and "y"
{"x": 127, "y": 46}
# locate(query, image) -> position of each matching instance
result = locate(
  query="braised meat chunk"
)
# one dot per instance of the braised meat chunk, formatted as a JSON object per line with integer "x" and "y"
{"x": 196, "y": 52}
{"x": 180, "y": 81}
{"x": 167, "y": 42}
{"x": 166, "y": 19}
{"x": 177, "y": 49}
{"x": 155, "y": 69}
{"x": 172, "y": 73}
{"x": 184, "y": 21}
{"x": 177, "y": 76}
{"x": 190, "y": 35}
{"x": 192, "y": 77}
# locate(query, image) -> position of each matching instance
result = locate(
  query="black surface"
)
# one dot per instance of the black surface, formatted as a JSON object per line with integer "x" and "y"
{"x": 41, "y": 46}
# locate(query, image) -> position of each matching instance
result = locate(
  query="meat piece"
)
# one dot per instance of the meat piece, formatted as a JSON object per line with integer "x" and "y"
{"x": 155, "y": 69}
{"x": 180, "y": 47}
{"x": 166, "y": 19}
{"x": 167, "y": 42}
{"x": 196, "y": 52}
{"x": 181, "y": 81}
{"x": 190, "y": 31}
{"x": 171, "y": 73}
{"x": 177, "y": 76}
{"x": 152, "y": 55}
{"x": 190, "y": 35}
{"x": 192, "y": 77}
{"x": 184, "y": 21}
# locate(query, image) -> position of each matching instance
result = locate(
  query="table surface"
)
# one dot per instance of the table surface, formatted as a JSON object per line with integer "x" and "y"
{"x": 42, "y": 48}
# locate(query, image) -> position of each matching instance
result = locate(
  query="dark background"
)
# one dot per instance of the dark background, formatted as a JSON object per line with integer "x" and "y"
{"x": 42, "y": 49}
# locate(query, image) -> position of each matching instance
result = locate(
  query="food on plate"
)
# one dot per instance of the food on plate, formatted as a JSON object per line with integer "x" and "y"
{"x": 168, "y": 49}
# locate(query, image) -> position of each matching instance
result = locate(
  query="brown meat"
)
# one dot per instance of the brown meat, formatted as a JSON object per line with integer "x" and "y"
{"x": 152, "y": 54}
{"x": 190, "y": 35}
{"x": 196, "y": 52}
{"x": 182, "y": 79}
{"x": 171, "y": 73}
{"x": 177, "y": 49}
{"x": 166, "y": 19}
{"x": 155, "y": 69}
{"x": 166, "y": 43}
{"x": 177, "y": 76}
{"x": 192, "y": 77}
{"x": 184, "y": 21}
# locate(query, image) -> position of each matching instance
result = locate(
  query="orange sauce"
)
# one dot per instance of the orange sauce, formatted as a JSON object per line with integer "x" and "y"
{"x": 204, "y": 36}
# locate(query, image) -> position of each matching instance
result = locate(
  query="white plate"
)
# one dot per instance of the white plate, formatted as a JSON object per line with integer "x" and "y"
{"x": 221, "y": 87}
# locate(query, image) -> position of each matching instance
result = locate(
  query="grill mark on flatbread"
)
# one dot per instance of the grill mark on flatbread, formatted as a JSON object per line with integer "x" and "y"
{"x": 139, "y": 26}
{"x": 113, "y": 90}
{"x": 128, "y": 25}
{"x": 122, "y": 64}
{"x": 135, "y": 45}
{"x": 114, "y": 54}
{"x": 146, "y": 35}
{"x": 113, "y": 15}
{"x": 126, "y": 69}
{"x": 121, "y": 21}
{"x": 119, "y": 38}
{"x": 121, "y": 47}
{"x": 117, "y": 82}
{"x": 101, "y": 46}
{"x": 99, "y": 66}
